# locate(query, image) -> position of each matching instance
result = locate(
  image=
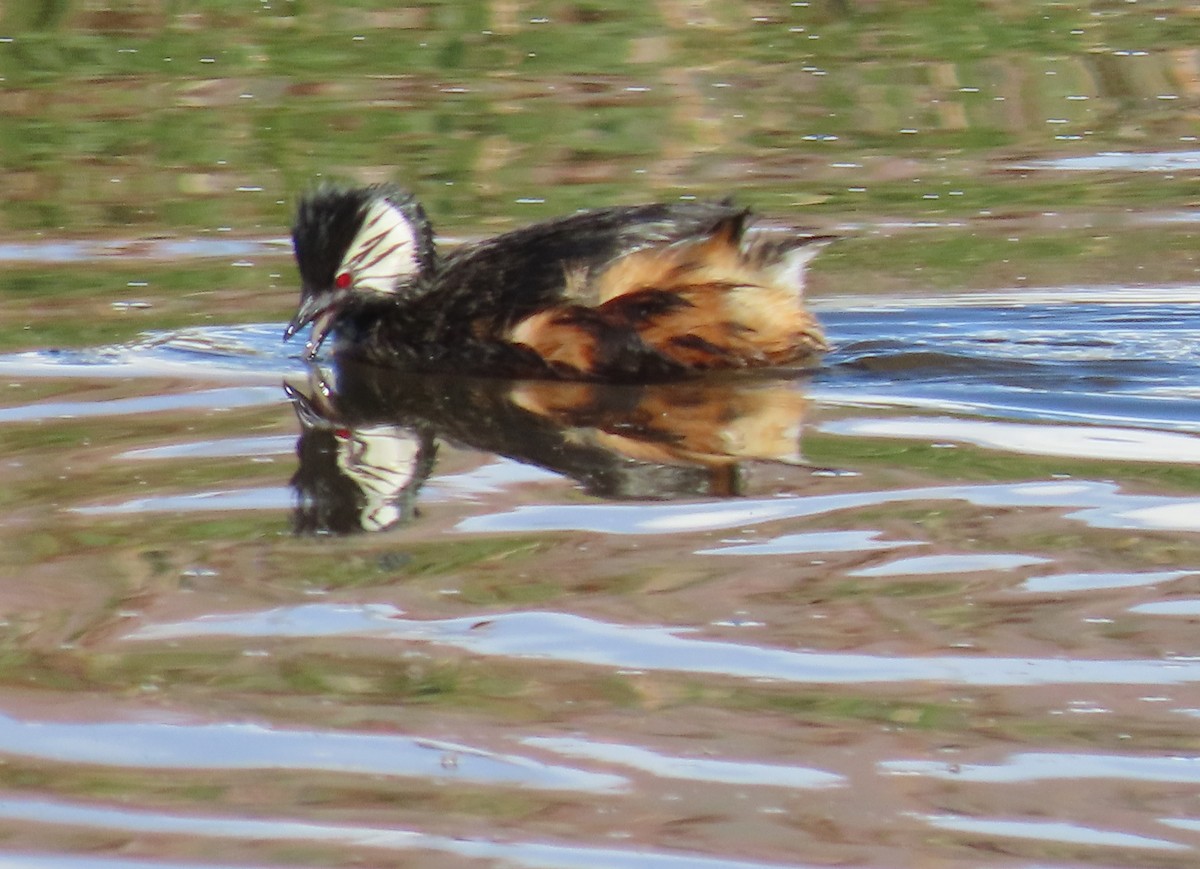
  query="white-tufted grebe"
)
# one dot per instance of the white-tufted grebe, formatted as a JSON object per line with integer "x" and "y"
{"x": 630, "y": 293}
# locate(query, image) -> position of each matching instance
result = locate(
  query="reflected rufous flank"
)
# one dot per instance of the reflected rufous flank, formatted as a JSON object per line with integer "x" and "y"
{"x": 368, "y": 444}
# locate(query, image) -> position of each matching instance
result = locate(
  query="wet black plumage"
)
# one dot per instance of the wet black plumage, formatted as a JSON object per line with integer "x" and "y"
{"x": 624, "y": 293}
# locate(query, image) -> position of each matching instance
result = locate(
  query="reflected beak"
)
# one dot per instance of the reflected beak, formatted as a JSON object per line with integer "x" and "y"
{"x": 315, "y": 410}
{"x": 317, "y": 309}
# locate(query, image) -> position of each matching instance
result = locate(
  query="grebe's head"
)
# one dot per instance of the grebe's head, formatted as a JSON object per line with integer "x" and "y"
{"x": 354, "y": 243}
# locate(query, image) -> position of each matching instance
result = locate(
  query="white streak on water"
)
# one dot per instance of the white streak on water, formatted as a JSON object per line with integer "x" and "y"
{"x": 567, "y": 638}
{"x": 1086, "y": 582}
{"x": 689, "y": 768}
{"x": 531, "y": 854}
{"x": 1074, "y": 441}
{"x": 1100, "y": 505}
{"x": 255, "y": 747}
{"x": 1050, "y": 831}
{"x": 928, "y": 565}
{"x": 812, "y": 542}
{"x": 1054, "y": 766}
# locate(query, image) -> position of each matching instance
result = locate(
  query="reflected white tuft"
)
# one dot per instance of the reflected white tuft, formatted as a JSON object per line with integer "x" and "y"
{"x": 382, "y": 462}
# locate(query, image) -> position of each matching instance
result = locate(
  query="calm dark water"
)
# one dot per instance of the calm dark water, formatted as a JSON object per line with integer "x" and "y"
{"x": 931, "y": 604}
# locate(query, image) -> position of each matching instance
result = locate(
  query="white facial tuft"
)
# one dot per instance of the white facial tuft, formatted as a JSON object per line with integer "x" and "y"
{"x": 384, "y": 252}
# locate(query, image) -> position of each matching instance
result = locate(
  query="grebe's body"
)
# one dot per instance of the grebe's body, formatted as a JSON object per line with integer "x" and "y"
{"x": 648, "y": 292}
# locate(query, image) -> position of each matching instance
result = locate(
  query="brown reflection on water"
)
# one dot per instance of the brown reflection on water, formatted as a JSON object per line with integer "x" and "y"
{"x": 369, "y": 443}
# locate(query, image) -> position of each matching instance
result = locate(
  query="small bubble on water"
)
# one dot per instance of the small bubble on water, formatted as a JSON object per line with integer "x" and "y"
{"x": 199, "y": 571}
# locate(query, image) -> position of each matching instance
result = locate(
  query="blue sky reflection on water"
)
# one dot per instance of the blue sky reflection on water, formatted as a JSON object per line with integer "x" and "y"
{"x": 560, "y": 637}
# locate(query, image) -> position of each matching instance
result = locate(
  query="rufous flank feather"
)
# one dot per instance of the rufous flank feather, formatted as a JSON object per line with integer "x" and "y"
{"x": 709, "y": 303}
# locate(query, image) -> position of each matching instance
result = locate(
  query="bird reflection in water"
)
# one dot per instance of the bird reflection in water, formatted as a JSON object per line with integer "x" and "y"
{"x": 369, "y": 436}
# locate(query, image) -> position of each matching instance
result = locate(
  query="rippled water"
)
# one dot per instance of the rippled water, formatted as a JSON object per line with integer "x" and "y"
{"x": 931, "y": 604}
{"x": 925, "y": 629}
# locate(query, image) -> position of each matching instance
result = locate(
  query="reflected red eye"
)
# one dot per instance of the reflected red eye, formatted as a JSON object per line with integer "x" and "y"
{"x": 343, "y": 280}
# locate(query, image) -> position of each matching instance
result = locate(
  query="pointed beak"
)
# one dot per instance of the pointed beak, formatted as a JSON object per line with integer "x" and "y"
{"x": 318, "y": 309}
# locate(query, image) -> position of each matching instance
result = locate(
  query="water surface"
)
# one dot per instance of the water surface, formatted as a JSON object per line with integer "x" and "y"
{"x": 931, "y": 603}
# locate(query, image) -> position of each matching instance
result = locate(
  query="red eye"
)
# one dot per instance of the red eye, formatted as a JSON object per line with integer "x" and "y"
{"x": 343, "y": 280}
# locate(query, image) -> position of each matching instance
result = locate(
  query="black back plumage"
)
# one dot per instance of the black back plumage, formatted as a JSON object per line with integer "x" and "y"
{"x": 528, "y": 265}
